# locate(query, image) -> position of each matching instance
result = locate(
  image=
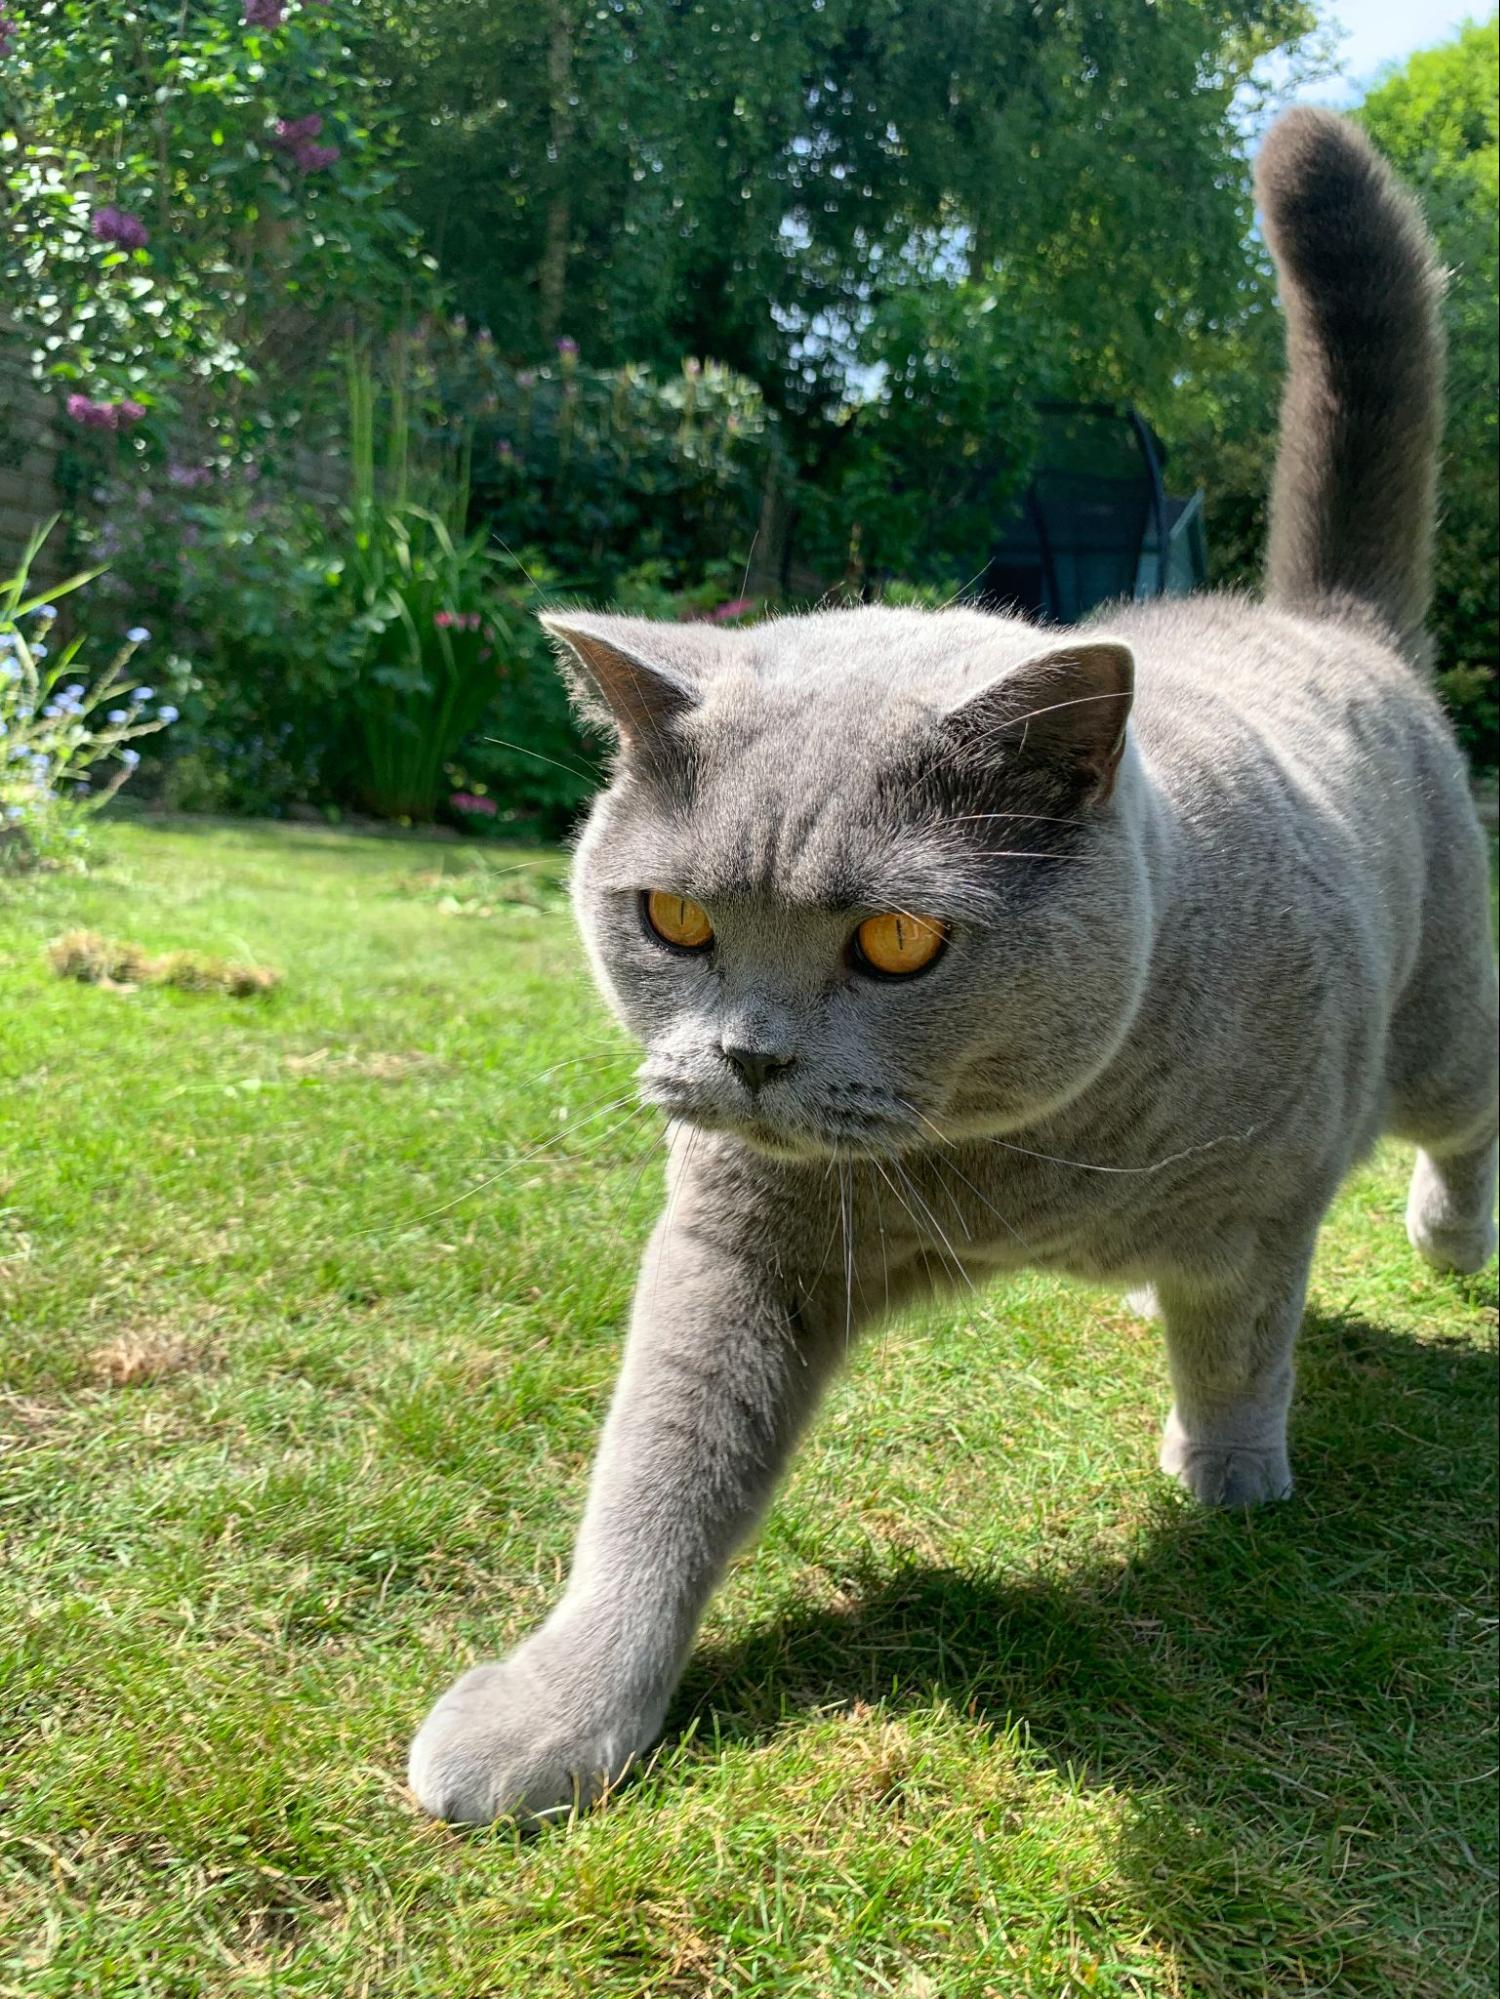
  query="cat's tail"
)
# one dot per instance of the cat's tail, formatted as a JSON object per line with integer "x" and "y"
{"x": 1353, "y": 500}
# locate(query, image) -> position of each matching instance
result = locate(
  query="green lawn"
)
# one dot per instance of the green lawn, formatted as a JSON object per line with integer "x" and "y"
{"x": 310, "y": 1305}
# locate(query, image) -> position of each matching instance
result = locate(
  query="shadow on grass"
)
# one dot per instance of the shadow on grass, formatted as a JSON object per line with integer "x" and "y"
{"x": 1296, "y": 1702}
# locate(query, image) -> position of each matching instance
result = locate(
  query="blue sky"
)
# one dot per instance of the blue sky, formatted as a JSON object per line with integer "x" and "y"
{"x": 1377, "y": 32}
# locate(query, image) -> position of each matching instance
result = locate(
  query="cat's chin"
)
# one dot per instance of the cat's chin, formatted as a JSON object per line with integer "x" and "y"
{"x": 800, "y": 1148}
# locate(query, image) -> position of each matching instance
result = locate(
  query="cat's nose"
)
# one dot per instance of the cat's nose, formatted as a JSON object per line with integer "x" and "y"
{"x": 756, "y": 1066}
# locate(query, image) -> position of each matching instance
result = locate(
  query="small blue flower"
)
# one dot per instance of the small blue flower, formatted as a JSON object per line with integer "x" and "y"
{"x": 47, "y": 611}
{"x": 167, "y": 713}
{"x": 117, "y": 715}
{"x": 38, "y": 652}
{"x": 8, "y": 641}
{"x": 144, "y": 694}
{"x": 138, "y": 635}
{"x": 130, "y": 758}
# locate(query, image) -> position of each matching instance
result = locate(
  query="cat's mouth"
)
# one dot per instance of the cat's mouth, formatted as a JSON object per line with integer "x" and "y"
{"x": 797, "y": 1136}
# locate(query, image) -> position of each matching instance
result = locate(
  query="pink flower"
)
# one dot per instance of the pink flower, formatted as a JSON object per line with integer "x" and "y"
{"x": 264, "y": 13}
{"x": 312, "y": 159}
{"x": 444, "y": 619}
{"x": 118, "y": 225}
{"x": 7, "y": 27}
{"x": 104, "y": 416}
{"x": 92, "y": 415}
{"x": 290, "y": 132}
{"x": 735, "y": 608}
{"x": 467, "y": 801}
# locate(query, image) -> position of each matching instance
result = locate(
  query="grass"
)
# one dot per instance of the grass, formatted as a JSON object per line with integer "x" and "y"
{"x": 310, "y": 1306}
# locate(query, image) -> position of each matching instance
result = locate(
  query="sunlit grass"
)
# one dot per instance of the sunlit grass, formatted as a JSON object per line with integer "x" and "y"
{"x": 310, "y": 1306}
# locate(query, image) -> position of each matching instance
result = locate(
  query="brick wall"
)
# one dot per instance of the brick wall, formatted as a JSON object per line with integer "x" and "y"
{"x": 28, "y": 452}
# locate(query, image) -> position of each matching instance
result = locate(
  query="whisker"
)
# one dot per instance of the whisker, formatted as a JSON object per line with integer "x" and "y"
{"x": 589, "y": 777}
{"x": 1022, "y": 854}
{"x": 943, "y": 1139}
{"x": 1157, "y": 1166}
{"x": 916, "y": 1195}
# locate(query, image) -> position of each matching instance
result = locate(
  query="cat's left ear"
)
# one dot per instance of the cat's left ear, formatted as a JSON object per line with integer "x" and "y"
{"x": 1068, "y": 707}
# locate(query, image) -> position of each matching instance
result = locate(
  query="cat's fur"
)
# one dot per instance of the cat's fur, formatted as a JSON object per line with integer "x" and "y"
{"x": 1197, "y": 966}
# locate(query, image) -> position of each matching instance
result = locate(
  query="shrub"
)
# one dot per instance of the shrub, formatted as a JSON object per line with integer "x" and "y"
{"x": 66, "y": 743}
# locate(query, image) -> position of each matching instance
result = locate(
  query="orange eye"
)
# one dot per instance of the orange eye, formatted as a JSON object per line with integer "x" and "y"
{"x": 682, "y": 924}
{"x": 898, "y": 944}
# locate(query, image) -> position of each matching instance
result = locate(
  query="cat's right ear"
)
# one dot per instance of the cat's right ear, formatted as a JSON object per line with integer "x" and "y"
{"x": 612, "y": 684}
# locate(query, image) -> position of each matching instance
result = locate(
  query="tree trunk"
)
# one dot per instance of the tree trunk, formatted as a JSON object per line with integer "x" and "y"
{"x": 552, "y": 272}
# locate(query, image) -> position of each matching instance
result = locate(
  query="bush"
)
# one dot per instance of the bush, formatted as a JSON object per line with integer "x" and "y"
{"x": 66, "y": 743}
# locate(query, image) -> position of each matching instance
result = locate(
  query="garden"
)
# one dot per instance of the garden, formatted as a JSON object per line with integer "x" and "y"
{"x": 337, "y": 339}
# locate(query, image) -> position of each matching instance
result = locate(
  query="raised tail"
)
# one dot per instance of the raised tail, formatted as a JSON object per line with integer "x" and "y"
{"x": 1353, "y": 500}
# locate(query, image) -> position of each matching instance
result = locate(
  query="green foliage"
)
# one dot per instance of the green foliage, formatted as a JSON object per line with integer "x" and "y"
{"x": 240, "y": 243}
{"x": 645, "y": 178}
{"x": 66, "y": 741}
{"x": 1438, "y": 121}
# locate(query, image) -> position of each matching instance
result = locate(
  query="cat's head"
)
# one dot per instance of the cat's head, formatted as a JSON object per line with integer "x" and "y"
{"x": 864, "y": 877}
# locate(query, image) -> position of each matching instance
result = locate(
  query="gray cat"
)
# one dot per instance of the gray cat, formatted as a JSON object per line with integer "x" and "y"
{"x": 956, "y": 945}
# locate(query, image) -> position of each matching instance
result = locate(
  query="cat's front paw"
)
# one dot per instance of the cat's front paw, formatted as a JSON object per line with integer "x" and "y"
{"x": 517, "y": 1739}
{"x": 1226, "y": 1474}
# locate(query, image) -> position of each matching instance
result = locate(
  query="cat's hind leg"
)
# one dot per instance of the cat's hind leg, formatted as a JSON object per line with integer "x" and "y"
{"x": 1450, "y": 1210}
{"x": 1443, "y": 1091}
{"x": 1229, "y": 1351}
{"x": 1441, "y": 1066}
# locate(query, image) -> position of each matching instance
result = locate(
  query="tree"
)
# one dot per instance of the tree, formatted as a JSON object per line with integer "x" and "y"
{"x": 751, "y": 182}
{"x": 196, "y": 200}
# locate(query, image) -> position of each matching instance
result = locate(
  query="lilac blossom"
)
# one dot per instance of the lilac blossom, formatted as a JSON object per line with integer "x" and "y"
{"x": 291, "y": 132}
{"x": 264, "y": 13}
{"x": 120, "y": 226}
{"x": 94, "y": 415}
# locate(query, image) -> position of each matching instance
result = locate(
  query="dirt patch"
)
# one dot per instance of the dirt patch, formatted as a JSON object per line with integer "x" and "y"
{"x": 120, "y": 966}
{"x": 376, "y": 1066}
{"x": 133, "y": 1359}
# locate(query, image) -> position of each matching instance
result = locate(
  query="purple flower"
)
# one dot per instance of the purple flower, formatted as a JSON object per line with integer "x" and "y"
{"x": 567, "y": 347}
{"x": 92, "y": 415}
{"x": 118, "y": 225}
{"x": 264, "y": 13}
{"x": 104, "y": 416}
{"x": 188, "y": 476}
{"x": 526, "y": 379}
{"x": 290, "y": 132}
{"x": 313, "y": 159}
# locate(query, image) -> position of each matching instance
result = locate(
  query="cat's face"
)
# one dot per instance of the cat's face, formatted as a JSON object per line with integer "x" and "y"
{"x": 862, "y": 880}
